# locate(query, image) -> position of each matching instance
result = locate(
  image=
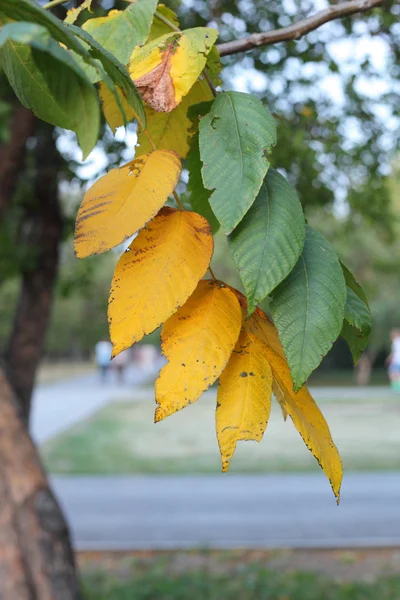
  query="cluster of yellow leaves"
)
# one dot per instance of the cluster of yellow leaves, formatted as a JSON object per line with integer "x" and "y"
{"x": 167, "y": 72}
{"x": 159, "y": 278}
{"x": 205, "y": 334}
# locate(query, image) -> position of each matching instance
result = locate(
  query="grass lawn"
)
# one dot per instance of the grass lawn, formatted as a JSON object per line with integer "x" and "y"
{"x": 229, "y": 576}
{"x": 122, "y": 438}
{"x": 57, "y": 371}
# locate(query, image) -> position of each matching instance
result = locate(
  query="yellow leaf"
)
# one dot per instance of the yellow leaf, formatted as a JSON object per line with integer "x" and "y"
{"x": 197, "y": 341}
{"x": 173, "y": 130}
{"x": 165, "y": 69}
{"x": 157, "y": 274}
{"x": 74, "y": 13}
{"x": 112, "y": 111}
{"x": 244, "y": 396}
{"x": 124, "y": 200}
{"x": 263, "y": 328}
{"x": 300, "y": 406}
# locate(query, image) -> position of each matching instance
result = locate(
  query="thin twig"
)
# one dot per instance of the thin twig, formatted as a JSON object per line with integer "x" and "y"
{"x": 212, "y": 274}
{"x": 54, "y": 3}
{"x": 297, "y": 30}
{"x": 209, "y": 81}
{"x": 179, "y": 203}
{"x": 152, "y": 144}
{"x": 170, "y": 24}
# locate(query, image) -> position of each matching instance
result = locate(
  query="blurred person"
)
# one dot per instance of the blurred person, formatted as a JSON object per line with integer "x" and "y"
{"x": 147, "y": 356}
{"x": 103, "y": 351}
{"x": 120, "y": 362}
{"x": 393, "y": 360}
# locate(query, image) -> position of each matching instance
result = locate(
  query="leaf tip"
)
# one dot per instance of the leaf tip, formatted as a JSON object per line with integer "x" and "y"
{"x": 225, "y": 466}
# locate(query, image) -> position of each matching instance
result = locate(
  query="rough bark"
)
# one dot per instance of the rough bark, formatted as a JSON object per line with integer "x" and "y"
{"x": 36, "y": 559}
{"x": 44, "y": 223}
{"x": 363, "y": 370}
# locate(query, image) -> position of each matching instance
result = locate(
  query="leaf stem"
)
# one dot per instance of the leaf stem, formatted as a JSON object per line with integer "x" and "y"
{"x": 210, "y": 83}
{"x": 53, "y": 3}
{"x": 147, "y": 134}
{"x": 179, "y": 203}
{"x": 212, "y": 274}
{"x": 167, "y": 22}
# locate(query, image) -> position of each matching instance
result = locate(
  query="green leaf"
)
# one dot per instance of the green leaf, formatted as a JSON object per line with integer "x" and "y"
{"x": 353, "y": 284}
{"x": 28, "y": 10}
{"x": 122, "y": 31}
{"x": 356, "y": 312}
{"x": 308, "y": 307}
{"x": 115, "y": 70}
{"x": 198, "y": 195}
{"x": 214, "y": 66}
{"x": 158, "y": 26}
{"x": 48, "y": 81}
{"x": 235, "y": 140}
{"x": 267, "y": 243}
{"x": 74, "y": 13}
{"x": 356, "y": 340}
{"x": 357, "y": 323}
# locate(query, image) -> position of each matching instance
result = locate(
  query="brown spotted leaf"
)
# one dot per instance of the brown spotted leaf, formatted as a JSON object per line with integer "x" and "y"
{"x": 157, "y": 274}
{"x": 244, "y": 396}
{"x": 124, "y": 200}
{"x": 165, "y": 69}
{"x": 197, "y": 341}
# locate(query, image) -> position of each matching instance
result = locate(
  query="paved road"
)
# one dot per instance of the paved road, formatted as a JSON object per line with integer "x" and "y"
{"x": 59, "y": 405}
{"x": 273, "y": 511}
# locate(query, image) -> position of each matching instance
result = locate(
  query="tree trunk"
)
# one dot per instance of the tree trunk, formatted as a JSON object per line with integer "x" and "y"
{"x": 12, "y": 153}
{"x": 36, "y": 559}
{"x": 45, "y": 225}
{"x": 363, "y": 368}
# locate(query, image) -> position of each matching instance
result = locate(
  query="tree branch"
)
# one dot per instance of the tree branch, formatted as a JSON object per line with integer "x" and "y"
{"x": 297, "y": 30}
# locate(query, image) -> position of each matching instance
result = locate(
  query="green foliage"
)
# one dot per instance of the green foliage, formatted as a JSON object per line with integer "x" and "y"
{"x": 48, "y": 81}
{"x": 114, "y": 71}
{"x": 357, "y": 323}
{"x": 121, "y": 33}
{"x": 308, "y": 307}
{"x": 318, "y": 99}
{"x": 265, "y": 246}
{"x": 236, "y": 138}
{"x": 199, "y": 196}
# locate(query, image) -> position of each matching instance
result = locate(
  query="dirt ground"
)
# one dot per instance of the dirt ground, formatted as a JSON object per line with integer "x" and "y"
{"x": 340, "y": 565}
